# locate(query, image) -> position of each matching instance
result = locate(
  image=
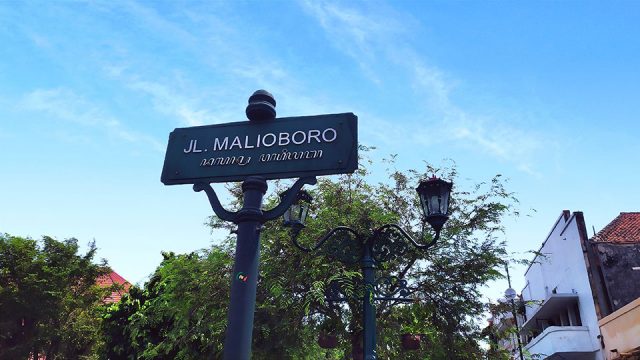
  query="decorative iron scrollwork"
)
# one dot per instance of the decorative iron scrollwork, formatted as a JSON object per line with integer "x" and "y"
{"x": 344, "y": 246}
{"x": 388, "y": 243}
{"x": 386, "y": 288}
{"x": 392, "y": 288}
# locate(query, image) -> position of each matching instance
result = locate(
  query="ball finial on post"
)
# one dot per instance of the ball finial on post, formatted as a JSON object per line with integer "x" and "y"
{"x": 262, "y": 106}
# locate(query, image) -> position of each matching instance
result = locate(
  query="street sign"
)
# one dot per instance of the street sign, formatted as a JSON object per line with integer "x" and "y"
{"x": 281, "y": 148}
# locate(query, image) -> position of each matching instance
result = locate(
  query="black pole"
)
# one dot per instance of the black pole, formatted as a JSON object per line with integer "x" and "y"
{"x": 368, "y": 308}
{"x": 368, "y": 258}
{"x": 242, "y": 305}
{"x": 237, "y": 344}
{"x": 515, "y": 316}
{"x": 515, "y": 319}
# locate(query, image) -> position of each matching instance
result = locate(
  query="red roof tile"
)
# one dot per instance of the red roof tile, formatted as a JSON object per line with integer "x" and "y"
{"x": 111, "y": 279}
{"x": 623, "y": 229}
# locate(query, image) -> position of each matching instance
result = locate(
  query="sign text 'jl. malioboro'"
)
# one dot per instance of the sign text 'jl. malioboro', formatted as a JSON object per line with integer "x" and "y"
{"x": 282, "y": 148}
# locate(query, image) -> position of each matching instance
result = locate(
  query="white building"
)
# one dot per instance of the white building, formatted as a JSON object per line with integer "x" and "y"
{"x": 560, "y": 320}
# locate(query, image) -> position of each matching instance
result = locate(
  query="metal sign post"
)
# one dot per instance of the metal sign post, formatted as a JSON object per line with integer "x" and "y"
{"x": 254, "y": 151}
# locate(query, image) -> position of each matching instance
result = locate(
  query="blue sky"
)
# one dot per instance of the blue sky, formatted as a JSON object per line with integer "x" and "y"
{"x": 545, "y": 93}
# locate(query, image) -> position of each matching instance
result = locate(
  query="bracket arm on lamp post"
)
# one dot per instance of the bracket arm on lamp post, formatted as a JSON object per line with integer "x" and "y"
{"x": 324, "y": 239}
{"x": 289, "y": 197}
{"x": 230, "y": 216}
{"x": 410, "y": 238}
{"x": 215, "y": 202}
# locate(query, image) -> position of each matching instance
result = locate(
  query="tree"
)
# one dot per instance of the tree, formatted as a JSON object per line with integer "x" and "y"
{"x": 49, "y": 301}
{"x": 503, "y": 331}
{"x": 179, "y": 314}
{"x": 446, "y": 279}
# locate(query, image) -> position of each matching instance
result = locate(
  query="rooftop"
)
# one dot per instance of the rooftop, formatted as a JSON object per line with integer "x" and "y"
{"x": 624, "y": 229}
{"x": 110, "y": 279}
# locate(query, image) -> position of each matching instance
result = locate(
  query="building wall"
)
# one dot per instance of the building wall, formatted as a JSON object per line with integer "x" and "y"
{"x": 560, "y": 268}
{"x": 617, "y": 262}
{"x": 621, "y": 330}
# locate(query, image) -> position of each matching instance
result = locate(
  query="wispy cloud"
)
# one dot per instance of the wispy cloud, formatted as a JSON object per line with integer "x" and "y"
{"x": 361, "y": 36}
{"x": 172, "y": 103}
{"x": 235, "y": 59}
{"x": 66, "y": 105}
{"x": 375, "y": 37}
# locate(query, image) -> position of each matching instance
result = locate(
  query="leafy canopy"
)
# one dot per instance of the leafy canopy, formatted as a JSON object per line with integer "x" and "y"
{"x": 49, "y": 301}
{"x": 181, "y": 312}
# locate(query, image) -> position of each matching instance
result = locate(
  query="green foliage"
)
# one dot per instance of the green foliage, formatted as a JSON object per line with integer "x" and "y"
{"x": 503, "y": 328}
{"x": 180, "y": 313}
{"x": 447, "y": 279}
{"x": 49, "y": 301}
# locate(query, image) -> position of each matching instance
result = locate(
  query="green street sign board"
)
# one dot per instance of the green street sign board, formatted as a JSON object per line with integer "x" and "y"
{"x": 276, "y": 149}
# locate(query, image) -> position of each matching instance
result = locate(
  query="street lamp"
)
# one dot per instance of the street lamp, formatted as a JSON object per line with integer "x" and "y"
{"x": 510, "y": 294}
{"x": 383, "y": 244}
{"x": 434, "y": 199}
{"x": 296, "y": 215}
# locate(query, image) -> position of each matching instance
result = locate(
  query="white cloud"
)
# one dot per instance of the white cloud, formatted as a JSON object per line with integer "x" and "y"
{"x": 169, "y": 102}
{"x": 376, "y": 38}
{"x": 229, "y": 56}
{"x": 234, "y": 56}
{"x": 358, "y": 35}
{"x": 66, "y": 105}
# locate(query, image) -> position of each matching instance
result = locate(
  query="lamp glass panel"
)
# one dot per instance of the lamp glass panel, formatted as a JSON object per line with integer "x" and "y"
{"x": 434, "y": 197}
{"x": 444, "y": 202}
{"x": 294, "y": 213}
{"x": 434, "y": 204}
{"x": 437, "y": 204}
{"x": 304, "y": 210}
{"x": 287, "y": 215}
{"x": 437, "y": 201}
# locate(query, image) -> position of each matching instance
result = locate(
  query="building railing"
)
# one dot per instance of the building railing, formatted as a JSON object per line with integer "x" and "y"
{"x": 562, "y": 339}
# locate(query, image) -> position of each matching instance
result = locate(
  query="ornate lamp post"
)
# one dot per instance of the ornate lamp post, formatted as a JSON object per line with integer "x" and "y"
{"x": 383, "y": 244}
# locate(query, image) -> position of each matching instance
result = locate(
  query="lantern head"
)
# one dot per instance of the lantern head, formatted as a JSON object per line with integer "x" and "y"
{"x": 434, "y": 199}
{"x": 296, "y": 215}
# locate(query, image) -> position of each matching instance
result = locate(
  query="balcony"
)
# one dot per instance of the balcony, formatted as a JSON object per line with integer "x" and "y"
{"x": 553, "y": 305}
{"x": 563, "y": 342}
